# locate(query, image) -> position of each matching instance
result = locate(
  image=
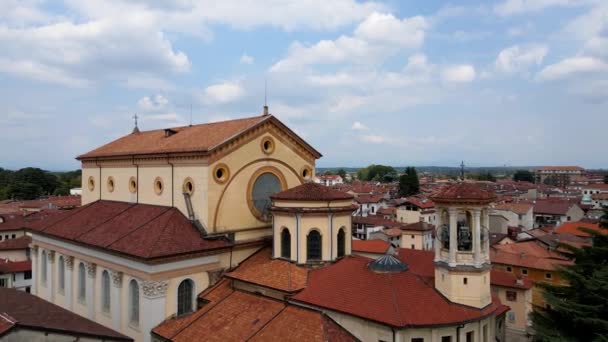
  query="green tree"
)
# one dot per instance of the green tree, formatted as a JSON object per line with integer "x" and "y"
{"x": 45, "y": 180}
{"x": 380, "y": 173}
{"x": 342, "y": 173}
{"x": 24, "y": 191}
{"x": 579, "y": 311}
{"x": 328, "y": 173}
{"x": 408, "y": 183}
{"x": 523, "y": 176}
{"x": 606, "y": 179}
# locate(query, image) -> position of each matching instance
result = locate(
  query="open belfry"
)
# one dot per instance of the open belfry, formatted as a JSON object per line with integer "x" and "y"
{"x": 215, "y": 232}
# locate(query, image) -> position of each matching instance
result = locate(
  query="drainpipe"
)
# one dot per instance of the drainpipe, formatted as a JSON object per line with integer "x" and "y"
{"x": 394, "y": 335}
{"x": 458, "y": 332}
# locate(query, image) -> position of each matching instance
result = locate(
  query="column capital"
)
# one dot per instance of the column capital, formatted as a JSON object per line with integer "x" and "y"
{"x": 116, "y": 278}
{"x": 452, "y": 211}
{"x": 91, "y": 269}
{"x": 69, "y": 262}
{"x": 35, "y": 249}
{"x": 51, "y": 257}
{"x": 154, "y": 288}
{"x": 476, "y": 212}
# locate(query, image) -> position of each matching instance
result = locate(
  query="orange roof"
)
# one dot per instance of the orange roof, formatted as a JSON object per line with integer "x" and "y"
{"x": 518, "y": 208}
{"x": 370, "y": 246}
{"x": 463, "y": 192}
{"x": 527, "y": 254}
{"x": 21, "y": 242}
{"x": 508, "y": 279}
{"x": 393, "y": 232}
{"x": 197, "y": 138}
{"x": 278, "y": 274}
{"x": 311, "y": 192}
{"x": 572, "y": 228}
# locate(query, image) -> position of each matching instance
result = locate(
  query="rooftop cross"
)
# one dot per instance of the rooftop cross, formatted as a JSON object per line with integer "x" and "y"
{"x": 135, "y": 129}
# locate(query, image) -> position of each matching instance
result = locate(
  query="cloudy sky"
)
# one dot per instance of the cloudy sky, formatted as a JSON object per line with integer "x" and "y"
{"x": 511, "y": 82}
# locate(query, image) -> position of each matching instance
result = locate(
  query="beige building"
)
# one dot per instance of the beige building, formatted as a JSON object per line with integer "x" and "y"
{"x": 415, "y": 209}
{"x": 164, "y": 213}
{"x": 516, "y": 292}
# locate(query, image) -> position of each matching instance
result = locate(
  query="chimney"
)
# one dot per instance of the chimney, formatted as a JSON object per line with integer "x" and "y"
{"x": 519, "y": 282}
{"x": 266, "y": 110}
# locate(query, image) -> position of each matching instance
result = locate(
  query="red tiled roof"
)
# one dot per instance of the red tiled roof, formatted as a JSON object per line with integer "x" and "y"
{"x": 241, "y": 316}
{"x": 404, "y": 299}
{"x": 418, "y": 226}
{"x": 202, "y": 138}
{"x": 527, "y": 254}
{"x": 601, "y": 196}
{"x": 420, "y": 202}
{"x": 508, "y": 279}
{"x": 552, "y": 207}
{"x": 21, "y": 242}
{"x": 393, "y": 232}
{"x": 387, "y": 211}
{"x": 599, "y": 186}
{"x": 311, "y": 192}
{"x": 375, "y": 220}
{"x": 463, "y": 192}
{"x": 274, "y": 273}
{"x": 368, "y": 199}
{"x": 520, "y": 208}
{"x": 370, "y": 246}
{"x": 573, "y": 228}
{"x": 6, "y": 323}
{"x": 15, "y": 266}
{"x": 30, "y": 311}
{"x": 139, "y": 230}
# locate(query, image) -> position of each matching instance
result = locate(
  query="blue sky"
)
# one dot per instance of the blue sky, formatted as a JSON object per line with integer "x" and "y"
{"x": 509, "y": 82}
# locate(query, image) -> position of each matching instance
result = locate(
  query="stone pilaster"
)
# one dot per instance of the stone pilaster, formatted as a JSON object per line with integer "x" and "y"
{"x": 50, "y": 271}
{"x": 90, "y": 288}
{"x": 477, "y": 237}
{"x": 453, "y": 236}
{"x": 35, "y": 268}
{"x": 115, "y": 299}
{"x": 69, "y": 281}
{"x": 152, "y": 305}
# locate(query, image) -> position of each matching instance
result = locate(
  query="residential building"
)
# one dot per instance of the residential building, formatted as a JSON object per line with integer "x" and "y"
{"x": 16, "y": 274}
{"x": 329, "y": 180}
{"x": 415, "y": 209}
{"x": 364, "y": 226}
{"x": 516, "y": 292}
{"x": 551, "y": 212}
{"x": 418, "y": 235}
{"x": 561, "y": 174}
{"x": 513, "y": 214}
{"x": 595, "y": 195}
{"x": 370, "y": 204}
{"x": 25, "y": 317}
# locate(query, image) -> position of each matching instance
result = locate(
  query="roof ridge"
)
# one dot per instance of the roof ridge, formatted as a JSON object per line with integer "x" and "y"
{"x": 138, "y": 227}
{"x": 71, "y": 213}
{"x": 200, "y": 124}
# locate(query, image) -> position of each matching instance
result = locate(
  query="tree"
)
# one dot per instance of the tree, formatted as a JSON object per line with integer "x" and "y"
{"x": 45, "y": 180}
{"x": 408, "y": 183}
{"x": 484, "y": 177}
{"x": 523, "y": 176}
{"x": 578, "y": 312}
{"x": 328, "y": 173}
{"x": 24, "y": 191}
{"x": 380, "y": 173}
{"x": 342, "y": 173}
{"x": 550, "y": 180}
{"x": 606, "y": 179}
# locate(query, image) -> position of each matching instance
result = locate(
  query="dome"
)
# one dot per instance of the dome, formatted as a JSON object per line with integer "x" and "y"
{"x": 463, "y": 192}
{"x": 387, "y": 264}
{"x": 311, "y": 192}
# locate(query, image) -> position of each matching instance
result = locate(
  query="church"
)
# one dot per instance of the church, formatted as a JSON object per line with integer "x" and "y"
{"x": 216, "y": 232}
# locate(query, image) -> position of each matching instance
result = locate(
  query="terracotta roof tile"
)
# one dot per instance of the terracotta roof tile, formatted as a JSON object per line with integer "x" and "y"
{"x": 518, "y": 208}
{"x": 31, "y": 311}
{"x": 370, "y": 246}
{"x": 369, "y": 199}
{"x": 508, "y": 279}
{"x": 311, "y": 192}
{"x": 464, "y": 192}
{"x": 552, "y": 207}
{"x": 15, "y": 266}
{"x": 6, "y": 323}
{"x": 274, "y": 273}
{"x": 418, "y": 226}
{"x": 21, "y": 242}
{"x": 202, "y": 138}
{"x": 139, "y": 230}
{"x": 527, "y": 254}
{"x": 573, "y": 228}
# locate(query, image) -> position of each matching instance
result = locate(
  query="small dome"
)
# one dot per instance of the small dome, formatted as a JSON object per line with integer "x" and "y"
{"x": 387, "y": 264}
{"x": 463, "y": 192}
{"x": 311, "y": 192}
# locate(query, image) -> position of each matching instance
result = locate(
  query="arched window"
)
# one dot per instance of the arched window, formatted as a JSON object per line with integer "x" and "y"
{"x": 313, "y": 246}
{"x": 105, "y": 291}
{"x": 264, "y": 186}
{"x": 185, "y": 297}
{"x": 341, "y": 243}
{"x": 43, "y": 267}
{"x": 82, "y": 289}
{"x": 285, "y": 244}
{"x": 134, "y": 302}
{"x": 61, "y": 271}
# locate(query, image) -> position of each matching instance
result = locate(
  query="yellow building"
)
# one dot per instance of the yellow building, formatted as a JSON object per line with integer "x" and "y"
{"x": 164, "y": 213}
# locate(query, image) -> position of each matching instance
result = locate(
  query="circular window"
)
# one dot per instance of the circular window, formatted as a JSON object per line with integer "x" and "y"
{"x": 306, "y": 172}
{"x": 158, "y": 185}
{"x": 91, "y": 183}
{"x": 221, "y": 173}
{"x": 132, "y": 185}
{"x": 110, "y": 184}
{"x": 265, "y": 185}
{"x": 267, "y": 145}
{"x": 188, "y": 187}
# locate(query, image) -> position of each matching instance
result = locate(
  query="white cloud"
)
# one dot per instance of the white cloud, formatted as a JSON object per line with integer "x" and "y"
{"x": 225, "y": 92}
{"x": 458, "y": 73}
{"x": 518, "y": 58}
{"x": 246, "y": 59}
{"x": 357, "y": 126}
{"x": 377, "y": 37}
{"x": 156, "y": 102}
{"x": 511, "y": 7}
{"x": 40, "y": 72}
{"x": 572, "y": 66}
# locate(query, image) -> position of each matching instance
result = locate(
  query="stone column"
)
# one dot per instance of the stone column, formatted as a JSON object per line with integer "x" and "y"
{"x": 35, "y": 259}
{"x": 50, "y": 275}
{"x": 90, "y": 286}
{"x": 69, "y": 280}
{"x": 477, "y": 237}
{"x": 453, "y": 235}
{"x": 152, "y": 306}
{"x": 116, "y": 300}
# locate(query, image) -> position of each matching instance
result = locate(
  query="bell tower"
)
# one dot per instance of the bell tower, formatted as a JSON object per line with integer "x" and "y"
{"x": 462, "y": 247}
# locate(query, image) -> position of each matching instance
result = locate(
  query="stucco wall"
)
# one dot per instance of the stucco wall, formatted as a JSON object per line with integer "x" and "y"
{"x": 519, "y": 308}
{"x": 27, "y": 335}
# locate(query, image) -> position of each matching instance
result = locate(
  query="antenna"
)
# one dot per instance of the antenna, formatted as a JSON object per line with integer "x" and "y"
{"x": 265, "y": 98}
{"x": 462, "y": 170}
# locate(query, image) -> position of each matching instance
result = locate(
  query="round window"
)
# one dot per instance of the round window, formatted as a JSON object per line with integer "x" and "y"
{"x": 306, "y": 172}
{"x": 158, "y": 185}
{"x": 91, "y": 183}
{"x": 188, "y": 187}
{"x": 221, "y": 173}
{"x": 132, "y": 185}
{"x": 267, "y": 145}
{"x": 110, "y": 184}
{"x": 264, "y": 186}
